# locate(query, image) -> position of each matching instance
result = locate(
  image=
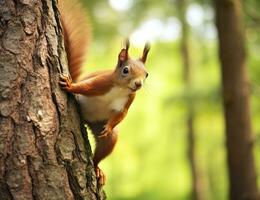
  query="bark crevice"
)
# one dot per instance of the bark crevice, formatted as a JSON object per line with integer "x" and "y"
{"x": 44, "y": 153}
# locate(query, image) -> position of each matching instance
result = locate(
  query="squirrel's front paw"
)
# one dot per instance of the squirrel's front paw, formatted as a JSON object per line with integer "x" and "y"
{"x": 106, "y": 131}
{"x": 65, "y": 82}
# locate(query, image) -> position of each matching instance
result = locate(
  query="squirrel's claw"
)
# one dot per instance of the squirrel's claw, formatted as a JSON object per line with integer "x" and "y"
{"x": 65, "y": 82}
{"x": 104, "y": 134}
{"x": 101, "y": 177}
{"x": 107, "y": 130}
{"x": 62, "y": 84}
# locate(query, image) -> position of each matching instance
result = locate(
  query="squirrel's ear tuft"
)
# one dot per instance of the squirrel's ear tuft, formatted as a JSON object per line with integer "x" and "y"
{"x": 123, "y": 55}
{"x": 127, "y": 44}
{"x": 145, "y": 52}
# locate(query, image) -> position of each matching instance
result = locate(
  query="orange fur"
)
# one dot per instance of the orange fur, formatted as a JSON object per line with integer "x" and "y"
{"x": 96, "y": 84}
{"x": 106, "y": 96}
{"x": 118, "y": 117}
{"x": 77, "y": 34}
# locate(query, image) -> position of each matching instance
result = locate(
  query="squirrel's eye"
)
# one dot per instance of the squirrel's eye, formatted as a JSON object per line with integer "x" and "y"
{"x": 146, "y": 75}
{"x": 125, "y": 71}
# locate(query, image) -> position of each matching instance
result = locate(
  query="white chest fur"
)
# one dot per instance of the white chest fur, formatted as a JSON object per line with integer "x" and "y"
{"x": 100, "y": 108}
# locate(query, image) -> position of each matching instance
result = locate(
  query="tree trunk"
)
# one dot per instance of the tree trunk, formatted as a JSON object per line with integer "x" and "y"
{"x": 242, "y": 174}
{"x": 44, "y": 150}
{"x": 185, "y": 53}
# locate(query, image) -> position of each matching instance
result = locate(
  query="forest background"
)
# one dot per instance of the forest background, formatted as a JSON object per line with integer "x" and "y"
{"x": 156, "y": 157}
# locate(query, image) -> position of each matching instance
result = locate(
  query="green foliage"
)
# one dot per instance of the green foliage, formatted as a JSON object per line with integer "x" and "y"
{"x": 150, "y": 160}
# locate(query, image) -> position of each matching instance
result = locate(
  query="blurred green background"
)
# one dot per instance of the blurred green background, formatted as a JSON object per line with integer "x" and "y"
{"x": 150, "y": 160}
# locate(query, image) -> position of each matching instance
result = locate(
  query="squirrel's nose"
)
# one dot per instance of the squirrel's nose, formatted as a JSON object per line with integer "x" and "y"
{"x": 138, "y": 84}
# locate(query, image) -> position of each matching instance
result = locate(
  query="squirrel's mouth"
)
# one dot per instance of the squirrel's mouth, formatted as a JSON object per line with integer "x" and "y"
{"x": 134, "y": 89}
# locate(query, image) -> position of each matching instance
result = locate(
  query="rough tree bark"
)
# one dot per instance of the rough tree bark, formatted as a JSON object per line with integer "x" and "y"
{"x": 44, "y": 150}
{"x": 242, "y": 173}
{"x": 185, "y": 54}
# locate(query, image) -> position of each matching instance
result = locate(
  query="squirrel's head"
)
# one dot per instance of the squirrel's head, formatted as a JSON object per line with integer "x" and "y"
{"x": 131, "y": 73}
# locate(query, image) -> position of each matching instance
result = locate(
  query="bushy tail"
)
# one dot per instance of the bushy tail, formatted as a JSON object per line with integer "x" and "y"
{"x": 77, "y": 33}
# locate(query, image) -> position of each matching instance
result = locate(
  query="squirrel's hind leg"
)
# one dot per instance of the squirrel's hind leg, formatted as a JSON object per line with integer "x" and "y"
{"x": 104, "y": 146}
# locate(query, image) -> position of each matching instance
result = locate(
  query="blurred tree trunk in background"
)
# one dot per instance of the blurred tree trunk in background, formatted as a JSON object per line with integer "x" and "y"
{"x": 43, "y": 154}
{"x": 242, "y": 173}
{"x": 185, "y": 54}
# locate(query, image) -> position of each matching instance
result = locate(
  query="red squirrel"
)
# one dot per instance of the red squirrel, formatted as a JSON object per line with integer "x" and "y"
{"x": 104, "y": 97}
